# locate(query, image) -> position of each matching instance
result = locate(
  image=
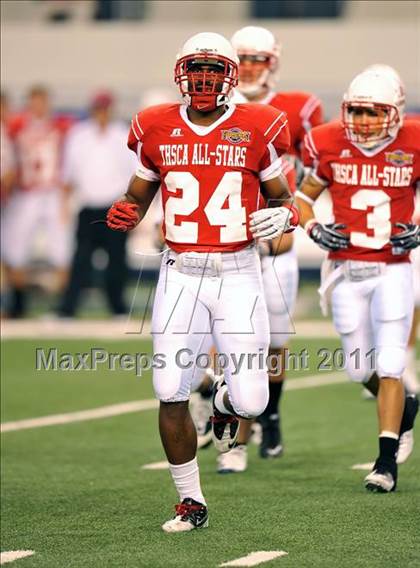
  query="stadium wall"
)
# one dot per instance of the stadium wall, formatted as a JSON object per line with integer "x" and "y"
{"x": 321, "y": 56}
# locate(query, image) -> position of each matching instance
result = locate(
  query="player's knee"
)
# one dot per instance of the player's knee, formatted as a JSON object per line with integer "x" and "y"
{"x": 391, "y": 362}
{"x": 252, "y": 399}
{"x": 169, "y": 389}
{"x": 359, "y": 372}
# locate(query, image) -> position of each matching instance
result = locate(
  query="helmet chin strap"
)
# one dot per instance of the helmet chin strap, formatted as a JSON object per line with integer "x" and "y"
{"x": 372, "y": 144}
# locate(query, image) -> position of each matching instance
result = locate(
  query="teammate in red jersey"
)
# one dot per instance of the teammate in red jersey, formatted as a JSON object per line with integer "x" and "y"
{"x": 211, "y": 160}
{"x": 7, "y": 153}
{"x": 37, "y": 199}
{"x": 370, "y": 163}
{"x": 410, "y": 380}
{"x": 259, "y": 55}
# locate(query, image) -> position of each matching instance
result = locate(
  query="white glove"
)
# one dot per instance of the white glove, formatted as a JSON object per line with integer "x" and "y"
{"x": 269, "y": 223}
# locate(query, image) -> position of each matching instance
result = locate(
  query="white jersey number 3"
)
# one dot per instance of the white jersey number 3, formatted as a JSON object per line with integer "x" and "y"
{"x": 379, "y": 219}
{"x": 231, "y": 220}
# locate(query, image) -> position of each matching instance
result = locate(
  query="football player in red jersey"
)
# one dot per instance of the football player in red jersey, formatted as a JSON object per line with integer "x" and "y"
{"x": 410, "y": 380}
{"x": 211, "y": 160}
{"x": 37, "y": 200}
{"x": 259, "y": 54}
{"x": 7, "y": 154}
{"x": 370, "y": 162}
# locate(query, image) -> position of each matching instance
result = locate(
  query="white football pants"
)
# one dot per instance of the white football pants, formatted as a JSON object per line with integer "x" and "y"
{"x": 280, "y": 276}
{"x": 227, "y": 308}
{"x": 373, "y": 318}
{"x": 280, "y": 279}
{"x": 28, "y": 213}
{"x": 415, "y": 259}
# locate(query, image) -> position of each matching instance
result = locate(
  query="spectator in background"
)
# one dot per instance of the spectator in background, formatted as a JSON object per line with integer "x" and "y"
{"x": 7, "y": 155}
{"x": 7, "y": 171}
{"x": 36, "y": 202}
{"x": 97, "y": 167}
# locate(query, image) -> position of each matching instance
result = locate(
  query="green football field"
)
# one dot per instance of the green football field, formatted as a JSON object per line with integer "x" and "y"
{"x": 76, "y": 493}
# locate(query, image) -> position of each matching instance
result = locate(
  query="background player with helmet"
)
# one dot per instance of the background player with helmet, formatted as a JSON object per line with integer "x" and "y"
{"x": 37, "y": 199}
{"x": 205, "y": 154}
{"x": 259, "y": 53}
{"x": 371, "y": 164}
{"x": 410, "y": 380}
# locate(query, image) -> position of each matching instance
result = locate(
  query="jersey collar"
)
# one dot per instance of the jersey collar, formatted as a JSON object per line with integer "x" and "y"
{"x": 204, "y": 130}
{"x": 267, "y": 99}
{"x": 369, "y": 152}
{"x": 240, "y": 98}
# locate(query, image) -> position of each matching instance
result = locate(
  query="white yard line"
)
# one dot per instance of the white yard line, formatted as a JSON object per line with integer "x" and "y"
{"x": 255, "y": 558}
{"x": 318, "y": 380}
{"x": 80, "y": 416}
{"x": 123, "y": 330}
{"x": 156, "y": 465}
{"x": 12, "y": 555}
{"x": 148, "y": 404}
{"x": 363, "y": 466}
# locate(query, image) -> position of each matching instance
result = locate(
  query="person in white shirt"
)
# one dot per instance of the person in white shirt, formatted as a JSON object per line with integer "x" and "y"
{"x": 97, "y": 166}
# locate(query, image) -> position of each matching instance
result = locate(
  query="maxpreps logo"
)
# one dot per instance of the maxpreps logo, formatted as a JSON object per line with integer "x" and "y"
{"x": 236, "y": 135}
{"x": 399, "y": 158}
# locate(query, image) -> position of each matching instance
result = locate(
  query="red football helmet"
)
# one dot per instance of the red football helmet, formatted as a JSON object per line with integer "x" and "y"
{"x": 206, "y": 71}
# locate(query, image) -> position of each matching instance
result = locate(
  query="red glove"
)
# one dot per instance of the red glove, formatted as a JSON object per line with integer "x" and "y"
{"x": 293, "y": 219}
{"x": 123, "y": 216}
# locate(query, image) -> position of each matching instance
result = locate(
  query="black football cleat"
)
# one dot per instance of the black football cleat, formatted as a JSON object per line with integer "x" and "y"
{"x": 271, "y": 443}
{"x": 189, "y": 515}
{"x": 225, "y": 427}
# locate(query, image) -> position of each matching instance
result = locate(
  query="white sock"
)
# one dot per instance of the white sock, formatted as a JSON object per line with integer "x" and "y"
{"x": 186, "y": 477}
{"x": 388, "y": 434}
{"x": 219, "y": 402}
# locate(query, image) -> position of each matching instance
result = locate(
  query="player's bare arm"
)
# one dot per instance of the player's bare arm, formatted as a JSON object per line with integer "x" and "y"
{"x": 126, "y": 214}
{"x": 277, "y": 191}
{"x": 280, "y": 216}
{"x": 309, "y": 192}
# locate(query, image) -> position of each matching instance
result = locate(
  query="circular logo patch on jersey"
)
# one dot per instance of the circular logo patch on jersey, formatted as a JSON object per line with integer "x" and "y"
{"x": 399, "y": 158}
{"x": 236, "y": 135}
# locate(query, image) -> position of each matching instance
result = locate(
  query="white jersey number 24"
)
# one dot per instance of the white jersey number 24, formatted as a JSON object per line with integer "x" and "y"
{"x": 379, "y": 219}
{"x": 231, "y": 220}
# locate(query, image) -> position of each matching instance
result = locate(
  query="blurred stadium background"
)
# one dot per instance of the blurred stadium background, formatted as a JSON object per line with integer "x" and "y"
{"x": 76, "y": 48}
{"x": 75, "y": 493}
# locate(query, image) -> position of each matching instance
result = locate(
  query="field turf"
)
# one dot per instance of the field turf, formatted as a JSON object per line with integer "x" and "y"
{"x": 77, "y": 496}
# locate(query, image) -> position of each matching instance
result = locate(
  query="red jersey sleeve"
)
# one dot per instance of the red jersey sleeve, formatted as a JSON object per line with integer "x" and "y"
{"x": 412, "y": 127}
{"x": 141, "y": 125}
{"x": 15, "y": 124}
{"x": 311, "y": 113}
{"x": 273, "y": 125}
{"x": 312, "y": 156}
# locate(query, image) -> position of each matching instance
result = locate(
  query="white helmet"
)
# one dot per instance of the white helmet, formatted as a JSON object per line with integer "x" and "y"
{"x": 260, "y": 44}
{"x": 388, "y": 71}
{"x": 378, "y": 94}
{"x": 206, "y": 71}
